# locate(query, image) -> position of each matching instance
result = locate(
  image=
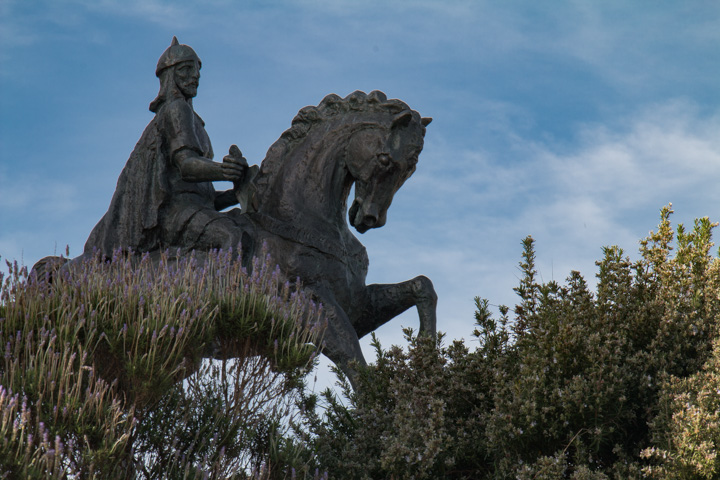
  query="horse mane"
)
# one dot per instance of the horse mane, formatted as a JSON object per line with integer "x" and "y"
{"x": 308, "y": 118}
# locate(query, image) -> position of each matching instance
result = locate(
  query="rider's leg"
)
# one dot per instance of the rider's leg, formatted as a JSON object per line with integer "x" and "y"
{"x": 210, "y": 230}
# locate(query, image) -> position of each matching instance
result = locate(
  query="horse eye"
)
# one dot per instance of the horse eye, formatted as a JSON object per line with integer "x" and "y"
{"x": 384, "y": 159}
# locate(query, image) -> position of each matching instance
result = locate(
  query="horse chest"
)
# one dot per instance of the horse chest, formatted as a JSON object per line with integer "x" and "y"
{"x": 312, "y": 256}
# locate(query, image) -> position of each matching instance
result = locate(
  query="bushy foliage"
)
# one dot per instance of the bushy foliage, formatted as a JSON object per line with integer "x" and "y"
{"x": 101, "y": 376}
{"x": 617, "y": 383}
{"x": 91, "y": 380}
{"x": 418, "y": 414}
{"x": 687, "y": 429}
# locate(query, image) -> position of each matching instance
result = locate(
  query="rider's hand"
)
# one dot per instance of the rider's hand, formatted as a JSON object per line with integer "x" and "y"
{"x": 234, "y": 164}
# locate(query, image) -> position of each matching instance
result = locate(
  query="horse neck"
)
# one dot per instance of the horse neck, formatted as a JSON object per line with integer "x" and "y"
{"x": 313, "y": 183}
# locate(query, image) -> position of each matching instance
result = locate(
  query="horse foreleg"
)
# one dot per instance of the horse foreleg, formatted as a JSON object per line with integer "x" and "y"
{"x": 383, "y": 302}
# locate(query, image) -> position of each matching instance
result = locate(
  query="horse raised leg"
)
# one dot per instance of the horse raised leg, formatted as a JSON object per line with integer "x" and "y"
{"x": 383, "y": 302}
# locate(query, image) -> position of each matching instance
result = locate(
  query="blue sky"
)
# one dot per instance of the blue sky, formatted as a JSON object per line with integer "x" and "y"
{"x": 571, "y": 121}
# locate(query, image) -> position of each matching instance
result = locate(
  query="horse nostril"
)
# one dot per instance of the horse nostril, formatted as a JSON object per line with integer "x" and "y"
{"x": 370, "y": 220}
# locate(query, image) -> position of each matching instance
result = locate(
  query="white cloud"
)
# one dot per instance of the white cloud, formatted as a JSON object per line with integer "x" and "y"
{"x": 665, "y": 151}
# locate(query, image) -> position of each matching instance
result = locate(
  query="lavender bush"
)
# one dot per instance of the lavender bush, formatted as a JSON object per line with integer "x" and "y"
{"x": 91, "y": 380}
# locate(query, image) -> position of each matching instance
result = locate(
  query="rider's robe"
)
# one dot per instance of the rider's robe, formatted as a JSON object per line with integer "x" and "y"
{"x": 153, "y": 208}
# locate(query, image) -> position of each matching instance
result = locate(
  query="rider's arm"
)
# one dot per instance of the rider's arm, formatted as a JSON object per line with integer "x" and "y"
{"x": 179, "y": 125}
{"x": 195, "y": 168}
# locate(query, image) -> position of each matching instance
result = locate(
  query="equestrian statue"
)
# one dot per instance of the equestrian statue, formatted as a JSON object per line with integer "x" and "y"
{"x": 294, "y": 204}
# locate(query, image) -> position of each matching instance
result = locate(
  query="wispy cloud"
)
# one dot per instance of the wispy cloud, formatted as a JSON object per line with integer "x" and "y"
{"x": 665, "y": 151}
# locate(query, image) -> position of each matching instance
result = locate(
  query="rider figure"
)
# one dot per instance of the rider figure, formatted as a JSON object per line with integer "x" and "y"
{"x": 164, "y": 196}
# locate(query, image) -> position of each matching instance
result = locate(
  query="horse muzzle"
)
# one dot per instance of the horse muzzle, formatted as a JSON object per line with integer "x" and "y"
{"x": 365, "y": 215}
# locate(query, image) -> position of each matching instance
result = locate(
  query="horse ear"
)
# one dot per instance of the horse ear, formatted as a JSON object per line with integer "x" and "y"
{"x": 402, "y": 120}
{"x": 425, "y": 121}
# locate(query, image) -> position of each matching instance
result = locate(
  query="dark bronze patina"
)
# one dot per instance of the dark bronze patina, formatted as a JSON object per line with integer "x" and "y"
{"x": 295, "y": 203}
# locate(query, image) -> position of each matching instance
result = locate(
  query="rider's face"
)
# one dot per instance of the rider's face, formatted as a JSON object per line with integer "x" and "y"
{"x": 187, "y": 77}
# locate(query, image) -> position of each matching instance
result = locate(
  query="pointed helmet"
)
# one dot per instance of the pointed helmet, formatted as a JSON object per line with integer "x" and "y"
{"x": 175, "y": 54}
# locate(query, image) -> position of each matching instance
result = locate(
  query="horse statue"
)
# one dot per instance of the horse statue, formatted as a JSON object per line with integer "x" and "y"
{"x": 300, "y": 201}
{"x": 295, "y": 205}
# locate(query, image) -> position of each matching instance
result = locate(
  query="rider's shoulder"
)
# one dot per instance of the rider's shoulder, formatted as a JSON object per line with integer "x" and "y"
{"x": 176, "y": 106}
{"x": 178, "y": 112}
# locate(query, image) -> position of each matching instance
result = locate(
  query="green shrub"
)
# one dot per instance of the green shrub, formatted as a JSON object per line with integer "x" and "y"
{"x": 579, "y": 384}
{"x": 687, "y": 429}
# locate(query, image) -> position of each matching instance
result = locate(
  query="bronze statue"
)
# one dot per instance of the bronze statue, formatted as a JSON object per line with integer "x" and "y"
{"x": 295, "y": 204}
{"x": 165, "y": 196}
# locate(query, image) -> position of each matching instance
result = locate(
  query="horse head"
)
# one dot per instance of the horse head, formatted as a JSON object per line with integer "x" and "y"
{"x": 381, "y": 157}
{"x": 375, "y": 140}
